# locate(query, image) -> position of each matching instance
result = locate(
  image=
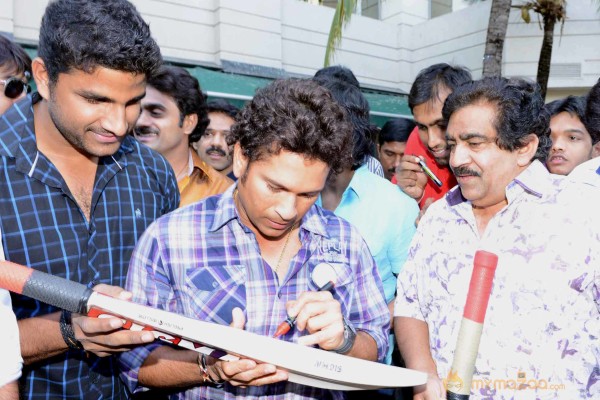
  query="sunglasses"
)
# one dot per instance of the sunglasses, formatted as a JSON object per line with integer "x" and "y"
{"x": 14, "y": 87}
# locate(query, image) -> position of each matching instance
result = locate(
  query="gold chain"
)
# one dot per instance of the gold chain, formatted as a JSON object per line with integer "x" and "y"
{"x": 287, "y": 240}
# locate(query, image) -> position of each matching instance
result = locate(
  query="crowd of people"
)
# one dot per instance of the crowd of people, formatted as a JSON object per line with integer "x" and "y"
{"x": 118, "y": 174}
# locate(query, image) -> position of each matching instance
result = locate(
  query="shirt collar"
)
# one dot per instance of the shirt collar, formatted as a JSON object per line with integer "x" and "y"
{"x": 358, "y": 184}
{"x": 535, "y": 180}
{"x": 225, "y": 211}
{"x": 198, "y": 164}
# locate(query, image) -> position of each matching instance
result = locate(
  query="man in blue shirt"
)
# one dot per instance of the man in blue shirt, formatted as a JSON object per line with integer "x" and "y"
{"x": 383, "y": 214}
{"x": 77, "y": 191}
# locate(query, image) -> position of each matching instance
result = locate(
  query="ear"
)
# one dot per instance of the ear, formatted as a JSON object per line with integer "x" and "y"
{"x": 240, "y": 162}
{"x": 40, "y": 75}
{"x": 596, "y": 149}
{"x": 526, "y": 153}
{"x": 378, "y": 150}
{"x": 189, "y": 123}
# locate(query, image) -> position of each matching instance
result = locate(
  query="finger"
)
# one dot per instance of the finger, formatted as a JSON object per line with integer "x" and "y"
{"x": 113, "y": 291}
{"x": 410, "y": 162}
{"x": 308, "y": 311}
{"x": 259, "y": 372}
{"x": 86, "y": 328}
{"x": 278, "y": 376}
{"x": 308, "y": 297}
{"x": 228, "y": 369}
{"x": 323, "y": 321}
{"x": 119, "y": 339}
{"x": 327, "y": 339}
{"x": 89, "y": 325}
{"x": 315, "y": 316}
{"x": 407, "y": 176}
{"x": 238, "y": 320}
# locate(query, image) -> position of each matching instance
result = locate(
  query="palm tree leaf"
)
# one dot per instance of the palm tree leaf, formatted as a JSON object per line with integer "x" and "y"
{"x": 341, "y": 18}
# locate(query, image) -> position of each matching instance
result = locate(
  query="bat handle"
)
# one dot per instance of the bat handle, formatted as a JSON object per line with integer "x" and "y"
{"x": 49, "y": 289}
{"x": 467, "y": 345}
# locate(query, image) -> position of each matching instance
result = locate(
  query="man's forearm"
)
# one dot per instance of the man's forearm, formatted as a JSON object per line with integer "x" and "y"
{"x": 40, "y": 338}
{"x": 412, "y": 336}
{"x": 168, "y": 367}
{"x": 364, "y": 347}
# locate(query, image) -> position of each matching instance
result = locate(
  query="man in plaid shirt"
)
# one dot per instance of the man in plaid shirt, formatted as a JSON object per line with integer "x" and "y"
{"x": 245, "y": 257}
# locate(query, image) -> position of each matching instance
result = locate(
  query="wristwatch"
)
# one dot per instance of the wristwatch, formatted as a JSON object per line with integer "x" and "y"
{"x": 349, "y": 338}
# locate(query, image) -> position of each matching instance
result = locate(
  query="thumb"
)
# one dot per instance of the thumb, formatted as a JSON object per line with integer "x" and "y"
{"x": 238, "y": 318}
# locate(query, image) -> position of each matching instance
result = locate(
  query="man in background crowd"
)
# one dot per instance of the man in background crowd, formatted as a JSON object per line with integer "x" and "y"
{"x": 174, "y": 115}
{"x": 345, "y": 75}
{"x": 392, "y": 143}
{"x": 426, "y": 99}
{"x": 213, "y": 146}
{"x": 572, "y": 143}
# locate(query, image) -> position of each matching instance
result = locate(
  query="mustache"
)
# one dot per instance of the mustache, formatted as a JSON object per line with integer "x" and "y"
{"x": 215, "y": 149}
{"x": 145, "y": 130}
{"x": 465, "y": 171}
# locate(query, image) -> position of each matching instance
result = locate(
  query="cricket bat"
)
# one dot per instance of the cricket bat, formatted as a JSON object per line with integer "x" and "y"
{"x": 305, "y": 365}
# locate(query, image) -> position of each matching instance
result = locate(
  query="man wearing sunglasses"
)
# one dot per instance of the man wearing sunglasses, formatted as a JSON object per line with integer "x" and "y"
{"x": 15, "y": 71}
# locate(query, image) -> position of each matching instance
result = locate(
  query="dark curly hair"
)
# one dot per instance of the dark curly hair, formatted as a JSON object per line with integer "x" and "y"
{"x": 520, "y": 111}
{"x": 357, "y": 108}
{"x": 431, "y": 80}
{"x": 592, "y": 113}
{"x": 13, "y": 57}
{"x": 296, "y": 115}
{"x": 178, "y": 83}
{"x": 85, "y": 34}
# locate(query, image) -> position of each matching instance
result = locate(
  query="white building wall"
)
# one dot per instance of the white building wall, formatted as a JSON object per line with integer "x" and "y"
{"x": 290, "y": 36}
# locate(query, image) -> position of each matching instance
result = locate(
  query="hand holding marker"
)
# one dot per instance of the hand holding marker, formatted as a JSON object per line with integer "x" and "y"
{"x": 429, "y": 172}
{"x": 324, "y": 277}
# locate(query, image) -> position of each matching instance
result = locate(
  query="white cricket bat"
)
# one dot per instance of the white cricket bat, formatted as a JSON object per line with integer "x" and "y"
{"x": 305, "y": 365}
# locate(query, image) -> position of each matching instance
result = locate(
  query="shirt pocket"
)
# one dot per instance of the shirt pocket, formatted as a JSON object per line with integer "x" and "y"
{"x": 215, "y": 291}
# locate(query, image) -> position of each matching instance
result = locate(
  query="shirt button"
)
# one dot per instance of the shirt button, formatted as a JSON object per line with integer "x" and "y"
{"x": 215, "y": 284}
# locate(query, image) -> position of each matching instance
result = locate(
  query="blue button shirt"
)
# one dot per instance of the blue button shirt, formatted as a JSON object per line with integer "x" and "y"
{"x": 385, "y": 217}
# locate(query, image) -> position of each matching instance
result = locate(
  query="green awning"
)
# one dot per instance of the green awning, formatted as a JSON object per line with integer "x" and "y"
{"x": 238, "y": 89}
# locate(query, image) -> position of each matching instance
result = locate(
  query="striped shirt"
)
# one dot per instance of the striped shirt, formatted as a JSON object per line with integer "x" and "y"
{"x": 44, "y": 228}
{"x": 374, "y": 166}
{"x": 201, "y": 261}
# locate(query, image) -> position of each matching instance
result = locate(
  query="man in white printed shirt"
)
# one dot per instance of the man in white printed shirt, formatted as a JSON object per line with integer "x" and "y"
{"x": 540, "y": 337}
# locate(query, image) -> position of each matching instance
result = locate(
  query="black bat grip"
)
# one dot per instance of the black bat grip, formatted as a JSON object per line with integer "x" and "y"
{"x": 58, "y": 292}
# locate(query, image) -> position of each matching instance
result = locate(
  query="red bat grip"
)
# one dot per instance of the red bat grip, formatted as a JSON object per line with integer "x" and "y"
{"x": 49, "y": 289}
{"x": 480, "y": 286}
